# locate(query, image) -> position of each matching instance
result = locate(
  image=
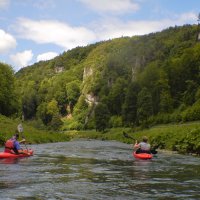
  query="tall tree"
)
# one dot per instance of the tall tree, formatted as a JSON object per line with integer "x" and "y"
{"x": 144, "y": 106}
{"x": 116, "y": 97}
{"x": 101, "y": 117}
{"x": 129, "y": 111}
{"x": 8, "y": 98}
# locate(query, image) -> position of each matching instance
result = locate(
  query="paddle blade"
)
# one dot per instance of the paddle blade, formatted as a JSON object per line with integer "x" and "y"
{"x": 126, "y": 135}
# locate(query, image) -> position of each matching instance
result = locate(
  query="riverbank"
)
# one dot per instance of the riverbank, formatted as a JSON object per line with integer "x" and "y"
{"x": 32, "y": 135}
{"x": 183, "y": 138}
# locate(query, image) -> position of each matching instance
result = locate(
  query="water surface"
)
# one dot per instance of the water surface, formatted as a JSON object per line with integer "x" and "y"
{"x": 96, "y": 170}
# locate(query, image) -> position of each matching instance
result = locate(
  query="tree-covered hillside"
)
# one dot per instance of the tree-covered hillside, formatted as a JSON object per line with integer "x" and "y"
{"x": 128, "y": 81}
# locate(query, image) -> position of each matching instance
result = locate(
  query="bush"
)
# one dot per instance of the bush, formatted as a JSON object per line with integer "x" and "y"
{"x": 115, "y": 121}
{"x": 71, "y": 124}
{"x": 192, "y": 113}
{"x": 56, "y": 122}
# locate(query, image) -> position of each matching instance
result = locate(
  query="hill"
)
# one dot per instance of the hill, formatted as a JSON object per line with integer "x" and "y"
{"x": 129, "y": 81}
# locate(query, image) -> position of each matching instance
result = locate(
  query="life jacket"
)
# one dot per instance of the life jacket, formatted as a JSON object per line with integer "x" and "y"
{"x": 144, "y": 146}
{"x": 9, "y": 146}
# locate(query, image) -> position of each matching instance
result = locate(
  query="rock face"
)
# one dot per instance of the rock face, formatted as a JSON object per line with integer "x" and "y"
{"x": 91, "y": 99}
{"x": 88, "y": 71}
{"x": 59, "y": 69}
{"x": 92, "y": 102}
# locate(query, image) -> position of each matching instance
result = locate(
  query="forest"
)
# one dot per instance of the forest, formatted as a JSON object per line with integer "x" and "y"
{"x": 124, "y": 82}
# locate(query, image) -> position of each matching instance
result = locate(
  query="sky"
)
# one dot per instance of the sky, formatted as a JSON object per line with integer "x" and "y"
{"x": 35, "y": 30}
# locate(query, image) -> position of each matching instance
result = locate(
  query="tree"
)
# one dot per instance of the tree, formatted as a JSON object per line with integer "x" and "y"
{"x": 144, "y": 106}
{"x": 73, "y": 92}
{"x": 29, "y": 100}
{"x": 189, "y": 94}
{"x": 46, "y": 111}
{"x": 8, "y": 98}
{"x": 116, "y": 97}
{"x": 129, "y": 111}
{"x": 42, "y": 113}
{"x": 52, "y": 108}
{"x": 56, "y": 122}
{"x": 166, "y": 102}
{"x": 101, "y": 117}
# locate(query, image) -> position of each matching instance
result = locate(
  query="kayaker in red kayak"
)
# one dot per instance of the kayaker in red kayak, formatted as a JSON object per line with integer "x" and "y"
{"x": 142, "y": 147}
{"x": 13, "y": 145}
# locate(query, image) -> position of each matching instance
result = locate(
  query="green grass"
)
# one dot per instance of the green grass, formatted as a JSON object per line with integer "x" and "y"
{"x": 32, "y": 135}
{"x": 184, "y": 138}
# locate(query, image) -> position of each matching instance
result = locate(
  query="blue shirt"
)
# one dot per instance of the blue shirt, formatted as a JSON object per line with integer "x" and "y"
{"x": 17, "y": 145}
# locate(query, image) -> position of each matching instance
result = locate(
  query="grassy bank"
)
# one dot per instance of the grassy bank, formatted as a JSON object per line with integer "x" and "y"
{"x": 32, "y": 135}
{"x": 184, "y": 138}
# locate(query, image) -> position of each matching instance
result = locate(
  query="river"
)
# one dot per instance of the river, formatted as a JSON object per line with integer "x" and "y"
{"x": 96, "y": 170}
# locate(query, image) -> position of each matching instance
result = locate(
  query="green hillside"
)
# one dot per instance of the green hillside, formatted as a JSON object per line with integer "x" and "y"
{"x": 125, "y": 82}
{"x": 140, "y": 80}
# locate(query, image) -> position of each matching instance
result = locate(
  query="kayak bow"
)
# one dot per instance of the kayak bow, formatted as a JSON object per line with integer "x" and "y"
{"x": 26, "y": 153}
{"x": 143, "y": 156}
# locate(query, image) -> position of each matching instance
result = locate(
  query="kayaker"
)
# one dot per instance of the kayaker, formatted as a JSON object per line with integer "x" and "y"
{"x": 13, "y": 145}
{"x": 142, "y": 147}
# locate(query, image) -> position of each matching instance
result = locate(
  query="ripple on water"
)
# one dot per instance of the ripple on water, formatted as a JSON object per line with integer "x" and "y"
{"x": 98, "y": 170}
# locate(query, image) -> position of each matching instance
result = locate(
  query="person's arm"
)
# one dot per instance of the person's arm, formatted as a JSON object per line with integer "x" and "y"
{"x": 18, "y": 147}
{"x": 136, "y": 145}
{"x": 22, "y": 141}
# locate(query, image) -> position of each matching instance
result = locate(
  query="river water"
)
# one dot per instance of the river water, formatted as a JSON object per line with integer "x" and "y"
{"x": 94, "y": 170}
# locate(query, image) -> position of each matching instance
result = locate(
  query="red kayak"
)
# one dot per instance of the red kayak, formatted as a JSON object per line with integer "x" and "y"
{"x": 142, "y": 155}
{"x": 27, "y": 153}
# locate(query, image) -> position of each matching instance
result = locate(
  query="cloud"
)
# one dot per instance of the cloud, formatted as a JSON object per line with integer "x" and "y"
{"x": 7, "y": 41}
{"x": 68, "y": 37}
{"x": 54, "y": 32}
{"x": 113, "y": 27}
{"x": 112, "y": 6}
{"x": 42, "y": 5}
{"x": 4, "y": 4}
{"x": 188, "y": 17}
{"x": 21, "y": 59}
{"x": 46, "y": 56}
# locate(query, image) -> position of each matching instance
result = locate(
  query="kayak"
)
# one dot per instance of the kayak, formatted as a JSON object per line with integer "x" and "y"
{"x": 29, "y": 152}
{"x": 142, "y": 155}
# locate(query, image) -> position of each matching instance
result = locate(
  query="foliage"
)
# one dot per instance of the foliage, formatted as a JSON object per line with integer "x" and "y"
{"x": 32, "y": 135}
{"x": 73, "y": 92}
{"x": 115, "y": 121}
{"x": 144, "y": 106}
{"x": 56, "y": 122}
{"x": 8, "y": 97}
{"x": 115, "y": 73}
{"x": 129, "y": 109}
{"x": 101, "y": 117}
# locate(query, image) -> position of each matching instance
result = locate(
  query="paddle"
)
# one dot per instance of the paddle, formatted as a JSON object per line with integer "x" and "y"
{"x": 21, "y": 130}
{"x": 127, "y": 136}
{"x": 153, "y": 150}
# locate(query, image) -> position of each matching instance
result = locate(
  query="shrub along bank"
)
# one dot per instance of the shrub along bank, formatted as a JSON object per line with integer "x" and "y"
{"x": 184, "y": 138}
{"x": 31, "y": 134}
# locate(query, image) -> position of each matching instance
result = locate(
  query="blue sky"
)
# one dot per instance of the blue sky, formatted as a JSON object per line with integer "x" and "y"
{"x": 34, "y": 30}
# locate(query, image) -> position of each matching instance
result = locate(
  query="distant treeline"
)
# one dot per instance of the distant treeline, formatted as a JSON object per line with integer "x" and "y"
{"x": 129, "y": 81}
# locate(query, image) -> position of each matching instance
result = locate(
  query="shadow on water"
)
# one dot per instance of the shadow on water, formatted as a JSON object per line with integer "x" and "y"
{"x": 9, "y": 161}
{"x": 98, "y": 170}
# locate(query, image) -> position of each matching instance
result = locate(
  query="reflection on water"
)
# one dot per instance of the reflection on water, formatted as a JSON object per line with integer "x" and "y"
{"x": 98, "y": 170}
